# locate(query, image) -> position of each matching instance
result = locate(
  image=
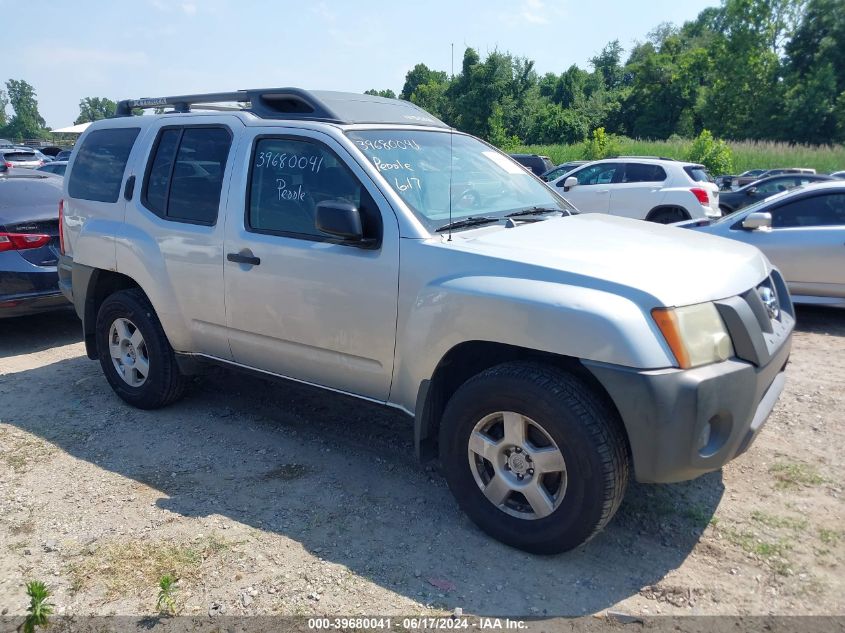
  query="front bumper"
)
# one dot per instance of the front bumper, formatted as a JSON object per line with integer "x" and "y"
{"x": 684, "y": 423}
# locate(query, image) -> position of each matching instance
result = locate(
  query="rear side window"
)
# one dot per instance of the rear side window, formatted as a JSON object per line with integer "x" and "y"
{"x": 639, "y": 172}
{"x": 698, "y": 173}
{"x": 185, "y": 173}
{"x": 100, "y": 163}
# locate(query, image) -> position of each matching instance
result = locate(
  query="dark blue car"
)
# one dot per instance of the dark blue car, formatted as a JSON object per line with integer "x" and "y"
{"x": 29, "y": 243}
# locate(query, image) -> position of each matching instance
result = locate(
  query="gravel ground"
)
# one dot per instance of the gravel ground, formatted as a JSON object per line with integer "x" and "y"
{"x": 266, "y": 498}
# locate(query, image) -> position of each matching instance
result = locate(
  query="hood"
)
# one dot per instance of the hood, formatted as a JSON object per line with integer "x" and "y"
{"x": 675, "y": 266}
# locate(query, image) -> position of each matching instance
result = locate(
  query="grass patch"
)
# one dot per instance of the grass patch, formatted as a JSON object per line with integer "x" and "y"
{"x": 829, "y": 537}
{"x": 130, "y": 567}
{"x": 774, "y": 553}
{"x": 20, "y": 452}
{"x": 746, "y": 154}
{"x": 774, "y": 521}
{"x": 795, "y": 475}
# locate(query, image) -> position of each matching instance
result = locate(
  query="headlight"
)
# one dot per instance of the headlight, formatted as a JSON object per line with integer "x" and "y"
{"x": 696, "y": 334}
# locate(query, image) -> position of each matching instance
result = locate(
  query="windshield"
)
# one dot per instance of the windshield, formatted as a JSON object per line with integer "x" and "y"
{"x": 484, "y": 182}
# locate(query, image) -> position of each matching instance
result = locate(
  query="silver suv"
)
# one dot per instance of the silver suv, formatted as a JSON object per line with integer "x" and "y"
{"x": 360, "y": 245}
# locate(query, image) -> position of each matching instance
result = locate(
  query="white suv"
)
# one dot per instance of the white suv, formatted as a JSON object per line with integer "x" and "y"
{"x": 655, "y": 189}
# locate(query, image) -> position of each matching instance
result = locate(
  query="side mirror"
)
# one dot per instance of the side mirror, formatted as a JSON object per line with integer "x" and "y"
{"x": 570, "y": 182}
{"x": 339, "y": 219}
{"x": 751, "y": 191}
{"x": 754, "y": 221}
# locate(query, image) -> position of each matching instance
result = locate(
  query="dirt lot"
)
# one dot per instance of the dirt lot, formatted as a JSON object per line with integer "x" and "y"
{"x": 267, "y": 498}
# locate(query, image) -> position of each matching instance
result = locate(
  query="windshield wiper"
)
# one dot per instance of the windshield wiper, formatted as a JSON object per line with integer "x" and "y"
{"x": 473, "y": 220}
{"x": 533, "y": 211}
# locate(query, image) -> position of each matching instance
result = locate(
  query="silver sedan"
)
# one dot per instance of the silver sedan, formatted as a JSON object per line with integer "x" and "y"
{"x": 802, "y": 232}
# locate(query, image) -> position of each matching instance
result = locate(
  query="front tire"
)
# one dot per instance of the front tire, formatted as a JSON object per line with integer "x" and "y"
{"x": 134, "y": 352}
{"x": 534, "y": 457}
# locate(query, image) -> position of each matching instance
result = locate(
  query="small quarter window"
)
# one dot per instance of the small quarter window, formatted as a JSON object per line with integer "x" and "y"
{"x": 98, "y": 170}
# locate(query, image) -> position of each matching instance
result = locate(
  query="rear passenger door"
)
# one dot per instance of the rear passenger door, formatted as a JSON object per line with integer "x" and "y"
{"x": 639, "y": 190}
{"x": 310, "y": 307}
{"x": 174, "y": 245}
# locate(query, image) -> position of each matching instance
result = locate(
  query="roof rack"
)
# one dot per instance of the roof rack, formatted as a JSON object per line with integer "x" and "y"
{"x": 296, "y": 103}
{"x": 674, "y": 160}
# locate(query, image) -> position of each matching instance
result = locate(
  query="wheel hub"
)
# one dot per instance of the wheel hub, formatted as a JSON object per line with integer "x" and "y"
{"x": 518, "y": 462}
{"x": 517, "y": 465}
{"x": 129, "y": 352}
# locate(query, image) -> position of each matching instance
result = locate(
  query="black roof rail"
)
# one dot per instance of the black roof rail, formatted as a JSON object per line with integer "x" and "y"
{"x": 674, "y": 160}
{"x": 296, "y": 103}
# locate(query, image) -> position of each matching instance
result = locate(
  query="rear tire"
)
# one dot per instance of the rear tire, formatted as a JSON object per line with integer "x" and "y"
{"x": 582, "y": 486}
{"x": 134, "y": 352}
{"x": 668, "y": 215}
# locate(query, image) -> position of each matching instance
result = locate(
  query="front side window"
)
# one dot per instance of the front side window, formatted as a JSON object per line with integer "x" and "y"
{"x": 290, "y": 177}
{"x": 822, "y": 210}
{"x": 774, "y": 186}
{"x": 601, "y": 174}
{"x": 185, "y": 174}
{"x": 98, "y": 170}
{"x": 443, "y": 175}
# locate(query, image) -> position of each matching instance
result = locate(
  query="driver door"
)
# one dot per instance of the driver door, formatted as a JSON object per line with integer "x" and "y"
{"x": 592, "y": 193}
{"x": 298, "y": 303}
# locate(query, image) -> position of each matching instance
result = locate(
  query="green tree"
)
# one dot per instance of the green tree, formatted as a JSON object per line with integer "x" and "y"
{"x": 713, "y": 154}
{"x": 815, "y": 74}
{"x": 95, "y": 108}
{"x": 389, "y": 94}
{"x": 420, "y": 75}
{"x": 4, "y": 102}
{"x": 26, "y": 122}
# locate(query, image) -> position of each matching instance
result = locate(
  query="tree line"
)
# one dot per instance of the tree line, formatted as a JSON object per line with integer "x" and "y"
{"x": 748, "y": 69}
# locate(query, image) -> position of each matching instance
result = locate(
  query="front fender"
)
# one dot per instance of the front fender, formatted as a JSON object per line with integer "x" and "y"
{"x": 583, "y": 323}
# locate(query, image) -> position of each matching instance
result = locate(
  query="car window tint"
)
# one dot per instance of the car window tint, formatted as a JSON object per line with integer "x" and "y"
{"x": 185, "y": 175}
{"x": 597, "y": 174}
{"x": 158, "y": 180}
{"x": 774, "y": 186}
{"x": 699, "y": 174}
{"x": 289, "y": 179}
{"x": 198, "y": 175}
{"x": 638, "y": 172}
{"x": 821, "y": 210}
{"x": 98, "y": 170}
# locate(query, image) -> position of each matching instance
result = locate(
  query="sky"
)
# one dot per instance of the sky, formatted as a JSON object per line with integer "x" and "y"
{"x": 146, "y": 48}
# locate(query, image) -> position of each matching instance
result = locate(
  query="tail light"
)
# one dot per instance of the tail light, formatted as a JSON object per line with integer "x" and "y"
{"x": 61, "y": 226}
{"x": 22, "y": 241}
{"x": 702, "y": 195}
{"x": 8, "y": 164}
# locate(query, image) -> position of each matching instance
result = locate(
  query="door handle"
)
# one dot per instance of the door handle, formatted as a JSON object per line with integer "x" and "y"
{"x": 244, "y": 258}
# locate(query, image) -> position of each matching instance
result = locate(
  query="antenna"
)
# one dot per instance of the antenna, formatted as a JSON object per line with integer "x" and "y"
{"x": 453, "y": 60}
